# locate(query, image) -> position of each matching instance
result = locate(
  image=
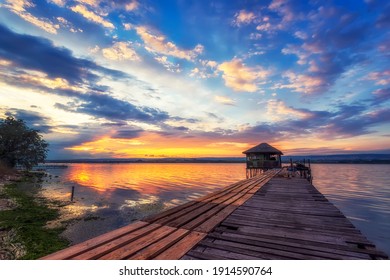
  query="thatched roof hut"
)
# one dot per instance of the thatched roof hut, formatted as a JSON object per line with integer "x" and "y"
{"x": 263, "y": 148}
{"x": 263, "y": 156}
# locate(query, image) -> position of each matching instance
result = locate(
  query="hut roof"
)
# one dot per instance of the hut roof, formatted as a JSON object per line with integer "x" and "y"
{"x": 263, "y": 148}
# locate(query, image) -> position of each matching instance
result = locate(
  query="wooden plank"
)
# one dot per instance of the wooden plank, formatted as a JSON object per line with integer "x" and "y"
{"x": 94, "y": 242}
{"x": 255, "y": 213}
{"x": 209, "y": 224}
{"x": 304, "y": 235}
{"x": 262, "y": 251}
{"x": 238, "y": 253}
{"x": 125, "y": 251}
{"x": 97, "y": 251}
{"x": 158, "y": 247}
{"x": 204, "y": 256}
{"x": 325, "y": 253}
{"x": 180, "y": 248}
{"x": 153, "y": 218}
{"x": 317, "y": 225}
{"x": 299, "y": 242}
{"x": 298, "y": 226}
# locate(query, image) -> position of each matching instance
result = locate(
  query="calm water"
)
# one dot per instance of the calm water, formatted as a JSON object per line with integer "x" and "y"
{"x": 108, "y": 196}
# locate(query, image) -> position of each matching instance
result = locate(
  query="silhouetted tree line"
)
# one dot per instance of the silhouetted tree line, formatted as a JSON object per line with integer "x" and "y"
{"x": 21, "y": 145}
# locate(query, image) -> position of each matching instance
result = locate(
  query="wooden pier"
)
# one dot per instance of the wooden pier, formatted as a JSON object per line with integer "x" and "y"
{"x": 265, "y": 217}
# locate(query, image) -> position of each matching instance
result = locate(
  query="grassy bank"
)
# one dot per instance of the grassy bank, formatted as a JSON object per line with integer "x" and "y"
{"x": 29, "y": 217}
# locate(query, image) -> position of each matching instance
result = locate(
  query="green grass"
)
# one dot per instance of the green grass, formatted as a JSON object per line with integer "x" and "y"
{"x": 29, "y": 219}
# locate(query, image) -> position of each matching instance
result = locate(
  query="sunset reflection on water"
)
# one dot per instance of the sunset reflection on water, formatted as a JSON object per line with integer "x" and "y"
{"x": 112, "y": 195}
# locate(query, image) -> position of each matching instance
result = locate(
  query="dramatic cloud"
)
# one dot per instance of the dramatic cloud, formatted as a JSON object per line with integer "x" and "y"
{"x": 157, "y": 43}
{"x": 33, "y": 119}
{"x": 121, "y": 51}
{"x": 240, "y": 77}
{"x": 43, "y": 56}
{"x": 110, "y": 108}
{"x": 20, "y": 8}
{"x": 91, "y": 16}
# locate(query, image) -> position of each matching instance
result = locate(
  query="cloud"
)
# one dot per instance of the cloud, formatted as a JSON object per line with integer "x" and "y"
{"x": 91, "y": 16}
{"x": 127, "y": 133}
{"x": 240, "y": 77}
{"x": 170, "y": 66}
{"x": 338, "y": 41}
{"x": 110, "y": 108}
{"x": 301, "y": 35}
{"x": 224, "y": 100}
{"x": 58, "y": 72}
{"x": 380, "y": 78}
{"x": 244, "y": 17}
{"x": 93, "y": 3}
{"x": 64, "y": 23}
{"x": 307, "y": 84}
{"x": 299, "y": 52}
{"x": 277, "y": 110}
{"x": 380, "y": 96}
{"x": 33, "y": 119}
{"x": 43, "y": 56}
{"x": 132, "y": 6}
{"x": 121, "y": 51}
{"x": 20, "y": 7}
{"x": 157, "y": 43}
{"x": 60, "y": 3}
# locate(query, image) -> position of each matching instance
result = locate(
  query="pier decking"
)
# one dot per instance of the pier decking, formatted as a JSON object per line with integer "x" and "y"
{"x": 265, "y": 217}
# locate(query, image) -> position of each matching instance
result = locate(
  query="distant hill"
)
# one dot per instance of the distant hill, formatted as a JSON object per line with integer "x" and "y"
{"x": 342, "y": 158}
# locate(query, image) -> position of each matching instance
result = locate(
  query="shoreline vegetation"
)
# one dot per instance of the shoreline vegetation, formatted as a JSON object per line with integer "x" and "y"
{"x": 25, "y": 216}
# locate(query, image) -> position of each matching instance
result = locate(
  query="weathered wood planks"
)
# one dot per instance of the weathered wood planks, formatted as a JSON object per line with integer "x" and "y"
{"x": 286, "y": 219}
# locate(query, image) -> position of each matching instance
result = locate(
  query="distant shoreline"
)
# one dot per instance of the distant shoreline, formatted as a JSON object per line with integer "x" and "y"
{"x": 213, "y": 161}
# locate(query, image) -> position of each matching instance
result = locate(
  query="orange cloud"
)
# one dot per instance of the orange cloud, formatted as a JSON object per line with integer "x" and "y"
{"x": 92, "y": 16}
{"x": 244, "y": 17}
{"x": 19, "y": 7}
{"x": 120, "y": 51}
{"x": 157, "y": 43}
{"x": 240, "y": 77}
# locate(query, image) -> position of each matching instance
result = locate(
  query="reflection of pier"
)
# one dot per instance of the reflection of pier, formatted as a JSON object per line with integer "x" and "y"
{"x": 275, "y": 215}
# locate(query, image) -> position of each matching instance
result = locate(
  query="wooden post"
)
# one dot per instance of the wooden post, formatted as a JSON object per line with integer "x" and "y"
{"x": 72, "y": 195}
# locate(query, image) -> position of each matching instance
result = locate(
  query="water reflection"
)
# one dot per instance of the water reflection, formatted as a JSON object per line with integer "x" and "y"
{"x": 362, "y": 193}
{"x": 108, "y": 196}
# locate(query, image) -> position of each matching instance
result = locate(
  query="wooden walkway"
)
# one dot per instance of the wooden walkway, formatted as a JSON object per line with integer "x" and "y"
{"x": 264, "y": 217}
{"x": 286, "y": 219}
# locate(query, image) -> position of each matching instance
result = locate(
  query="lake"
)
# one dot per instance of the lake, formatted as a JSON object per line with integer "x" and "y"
{"x": 108, "y": 196}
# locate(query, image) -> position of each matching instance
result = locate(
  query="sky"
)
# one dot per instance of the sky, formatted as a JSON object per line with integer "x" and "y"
{"x": 206, "y": 78}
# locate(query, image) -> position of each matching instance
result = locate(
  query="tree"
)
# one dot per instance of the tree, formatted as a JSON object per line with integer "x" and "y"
{"x": 20, "y": 145}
